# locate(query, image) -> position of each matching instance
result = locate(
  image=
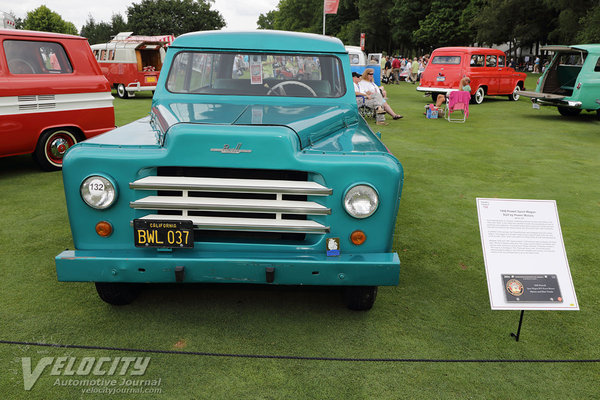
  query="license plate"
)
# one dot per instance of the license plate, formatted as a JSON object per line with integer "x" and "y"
{"x": 150, "y": 79}
{"x": 441, "y": 78}
{"x": 163, "y": 233}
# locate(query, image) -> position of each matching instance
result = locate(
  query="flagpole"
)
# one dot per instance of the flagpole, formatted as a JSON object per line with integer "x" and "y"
{"x": 323, "y": 17}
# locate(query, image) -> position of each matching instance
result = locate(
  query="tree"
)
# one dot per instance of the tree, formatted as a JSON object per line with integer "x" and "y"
{"x": 590, "y": 27}
{"x": 161, "y": 17}
{"x": 299, "y": 16}
{"x": 569, "y": 13}
{"x": 46, "y": 20}
{"x": 442, "y": 27}
{"x": 96, "y": 32}
{"x": 404, "y": 21}
{"x": 118, "y": 24}
{"x": 266, "y": 21}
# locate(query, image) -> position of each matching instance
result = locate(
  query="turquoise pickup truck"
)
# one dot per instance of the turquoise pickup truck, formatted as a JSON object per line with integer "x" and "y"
{"x": 253, "y": 166}
{"x": 571, "y": 82}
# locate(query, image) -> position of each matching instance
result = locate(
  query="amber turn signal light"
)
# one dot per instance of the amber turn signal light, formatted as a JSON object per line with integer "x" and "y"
{"x": 358, "y": 237}
{"x": 104, "y": 228}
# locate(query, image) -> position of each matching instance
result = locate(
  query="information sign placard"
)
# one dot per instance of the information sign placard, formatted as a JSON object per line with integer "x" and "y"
{"x": 524, "y": 253}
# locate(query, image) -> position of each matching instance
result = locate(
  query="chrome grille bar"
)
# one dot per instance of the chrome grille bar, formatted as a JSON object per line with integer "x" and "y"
{"x": 230, "y": 185}
{"x": 233, "y": 205}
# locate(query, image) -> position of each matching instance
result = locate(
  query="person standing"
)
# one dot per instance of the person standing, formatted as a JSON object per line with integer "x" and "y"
{"x": 396, "y": 69}
{"x": 387, "y": 68}
{"x": 414, "y": 71}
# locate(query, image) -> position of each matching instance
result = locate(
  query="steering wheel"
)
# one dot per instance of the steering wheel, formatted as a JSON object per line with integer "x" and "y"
{"x": 20, "y": 66}
{"x": 280, "y": 85}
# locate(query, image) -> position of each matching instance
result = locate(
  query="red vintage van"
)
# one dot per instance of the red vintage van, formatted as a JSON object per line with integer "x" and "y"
{"x": 52, "y": 95}
{"x": 132, "y": 63}
{"x": 487, "y": 69}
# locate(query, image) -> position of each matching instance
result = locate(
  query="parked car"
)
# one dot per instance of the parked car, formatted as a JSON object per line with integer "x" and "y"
{"x": 571, "y": 82}
{"x": 359, "y": 62}
{"x": 132, "y": 63}
{"x": 238, "y": 178}
{"x": 52, "y": 95}
{"x": 487, "y": 69}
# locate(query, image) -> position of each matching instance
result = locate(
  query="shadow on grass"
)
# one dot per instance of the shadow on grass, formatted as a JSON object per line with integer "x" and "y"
{"x": 228, "y": 295}
{"x": 18, "y": 165}
{"x": 583, "y": 118}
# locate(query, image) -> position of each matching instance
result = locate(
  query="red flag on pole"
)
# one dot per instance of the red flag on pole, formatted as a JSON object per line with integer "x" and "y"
{"x": 331, "y": 6}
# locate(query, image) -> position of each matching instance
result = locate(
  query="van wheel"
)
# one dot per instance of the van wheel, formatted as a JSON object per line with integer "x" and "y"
{"x": 360, "y": 298}
{"x": 478, "y": 96}
{"x": 121, "y": 92}
{"x": 569, "y": 112}
{"x": 52, "y": 146}
{"x": 117, "y": 294}
{"x": 514, "y": 96}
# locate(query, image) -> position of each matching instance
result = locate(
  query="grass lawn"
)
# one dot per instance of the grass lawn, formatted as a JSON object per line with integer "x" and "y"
{"x": 439, "y": 311}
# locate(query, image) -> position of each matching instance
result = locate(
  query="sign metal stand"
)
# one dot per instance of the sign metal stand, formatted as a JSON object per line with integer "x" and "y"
{"x": 518, "y": 334}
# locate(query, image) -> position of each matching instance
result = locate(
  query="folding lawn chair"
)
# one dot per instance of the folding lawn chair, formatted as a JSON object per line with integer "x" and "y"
{"x": 458, "y": 100}
{"x": 363, "y": 109}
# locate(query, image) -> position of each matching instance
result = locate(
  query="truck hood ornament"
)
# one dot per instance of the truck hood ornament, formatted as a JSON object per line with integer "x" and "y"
{"x": 228, "y": 150}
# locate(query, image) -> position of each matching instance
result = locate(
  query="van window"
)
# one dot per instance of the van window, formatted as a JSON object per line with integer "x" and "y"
{"x": 455, "y": 60}
{"x": 29, "y": 57}
{"x": 597, "y": 67}
{"x": 490, "y": 61}
{"x": 111, "y": 54}
{"x": 477, "y": 60}
{"x": 103, "y": 55}
{"x": 501, "y": 61}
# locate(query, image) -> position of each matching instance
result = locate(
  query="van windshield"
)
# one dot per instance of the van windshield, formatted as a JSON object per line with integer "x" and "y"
{"x": 455, "y": 60}
{"x": 256, "y": 74}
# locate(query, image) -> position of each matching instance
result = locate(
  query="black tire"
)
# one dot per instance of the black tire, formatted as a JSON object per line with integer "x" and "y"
{"x": 121, "y": 92}
{"x": 360, "y": 298}
{"x": 569, "y": 112}
{"x": 117, "y": 294}
{"x": 514, "y": 96}
{"x": 478, "y": 97}
{"x": 598, "y": 114}
{"x": 52, "y": 146}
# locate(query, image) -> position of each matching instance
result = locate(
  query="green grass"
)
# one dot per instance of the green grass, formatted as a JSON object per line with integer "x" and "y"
{"x": 440, "y": 310}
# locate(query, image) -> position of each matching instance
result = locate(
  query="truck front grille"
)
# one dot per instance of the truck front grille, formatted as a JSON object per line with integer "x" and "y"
{"x": 228, "y": 203}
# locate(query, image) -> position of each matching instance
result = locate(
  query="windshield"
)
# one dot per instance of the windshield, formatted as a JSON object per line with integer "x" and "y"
{"x": 256, "y": 74}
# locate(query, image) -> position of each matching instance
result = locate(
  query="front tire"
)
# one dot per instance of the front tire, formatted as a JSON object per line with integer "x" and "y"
{"x": 52, "y": 146}
{"x": 360, "y": 298}
{"x": 121, "y": 92}
{"x": 569, "y": 112}
{"x": 479, "y": 96}
{"x": 117, "y": 294}
{"x": 514, "y": 96}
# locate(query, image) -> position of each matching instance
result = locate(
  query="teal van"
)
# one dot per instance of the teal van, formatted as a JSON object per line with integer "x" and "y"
{"x": 571, "y": 82}
{"x": 253, "y": 166}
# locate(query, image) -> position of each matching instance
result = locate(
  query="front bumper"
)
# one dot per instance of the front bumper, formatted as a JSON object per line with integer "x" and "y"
{"x": 372, "y": 269}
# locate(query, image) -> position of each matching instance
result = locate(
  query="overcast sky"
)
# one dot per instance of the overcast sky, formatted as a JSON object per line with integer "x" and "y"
{"x": 238, "y": 14}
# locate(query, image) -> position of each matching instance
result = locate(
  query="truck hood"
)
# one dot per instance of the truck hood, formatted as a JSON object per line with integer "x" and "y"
{"x": 311, "y": 123}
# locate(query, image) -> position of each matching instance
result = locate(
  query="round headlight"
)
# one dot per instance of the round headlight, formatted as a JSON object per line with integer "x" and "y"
{"x": 361, "y": 201}
{"x": 98, "y": 192}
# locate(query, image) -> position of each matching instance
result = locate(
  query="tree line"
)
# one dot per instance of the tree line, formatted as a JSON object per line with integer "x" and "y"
{"x": 412, "y": 27}
{"x": 148, "y": 17}
{"x": 407, "y": 27}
